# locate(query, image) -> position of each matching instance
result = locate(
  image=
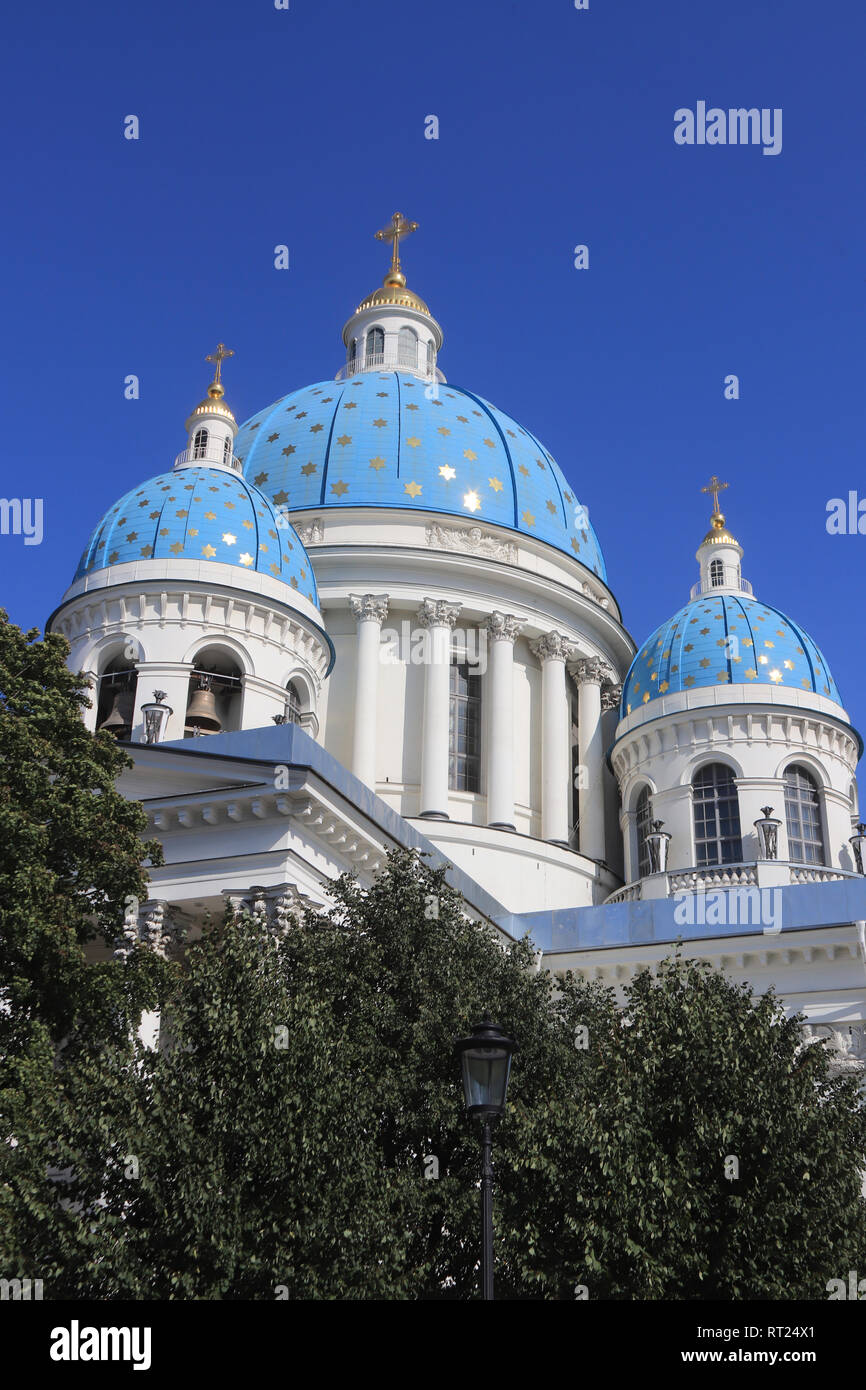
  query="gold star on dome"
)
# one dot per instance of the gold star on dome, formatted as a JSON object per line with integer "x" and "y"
{"x": 472, "y": 501}
{"x": 351, "y": 405}
{"x": 551, "y": 506}
{"x": 689, "y": 681}
{"x": 193, "y": 531}
{"x": 309, "y": 469}
{"x": 663, "y": 687}
{"x": 722, "y": 677}
{"x": 343, "y": 440}
{"x": 789, "y": 665}
{"x": 447, "y": 472}
{"x": 164, "y": 531}
{"x": 230, "y": 505}
{"x": 704, "y": 631}
{"x": 288, "y": 451}
{"x": 529, "y": 519}
{"x": 540, "y": 462}
{"x": 654, "y": 676}
{"x": 339, "y": 488}
{"x": 228, "y": 538}
{"x": 464, "y": 419}
{"x": 443, "y": 429}
{"x": 804, "y": 683}
{"x": 688, "y": 647}
{"x": 153, "y": 516}
{"x": 645, "y": 697}
{"x": 133, "y": 536}
{"x": 413, "y": 441}
{"x": 281, "y": 497}
{"x": 410, "y": 406}
{"x": 468, "y": 454}
{"x": 380, "y": 423}
{"x": 260, "y": 478}
{"x": 763, "y": 660}
{"x": 489, "y": 442}
{"x": 776, "y": 676}
{"x": 246, "y": 558}
{"x": 301, "y": 415}
{"x": 575, "y": 545}
{"x": 750, "y": 673}
{"x": 524, "y": 470}
{"x": 272, "y": 437}
{"x": 384, "y": 393}
{"x": 377, "y": 463}
{"x": 208, "y": 551}
{"x": 705, "y": 661}
{"x": 176, "y": 548}
{"x": 413, "y": 489}
{"x": 496, "y": 484}
{"x": 316, "y": 429}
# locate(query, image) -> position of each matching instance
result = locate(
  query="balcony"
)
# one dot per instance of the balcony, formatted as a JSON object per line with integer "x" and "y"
{"x": 717, "y": 877}
{"x": 388, "y": 362}
{"x": 744, "y": 587}
{"x": 206, "y": 454}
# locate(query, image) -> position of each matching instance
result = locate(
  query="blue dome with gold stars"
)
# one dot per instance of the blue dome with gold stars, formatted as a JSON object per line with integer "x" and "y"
{"x": 726, "y": 639}
{"x": 380, "y": 440}
{"x": 201, "y": 513}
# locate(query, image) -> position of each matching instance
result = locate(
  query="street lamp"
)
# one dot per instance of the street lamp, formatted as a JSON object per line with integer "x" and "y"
{"x": 485, "y": 1060}
{"x": 156, "y": 713}
{"x": 857, "y": 843}
{"x": 768, "y": 834}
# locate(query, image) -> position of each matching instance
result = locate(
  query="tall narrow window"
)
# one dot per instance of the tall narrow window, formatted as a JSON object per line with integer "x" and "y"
{"x": 431, "y": 358}
{"x": 408, "y": 348}
{"x": 293, "y": 704}
{"x": 227, "y": 451}
{"x": 717, "y": 573}
{"x": 375, "y": 345}
{"x": 803, "y": 817}
{"x": 643, "y": 816}
{"x": 717, "y": 817}
{"x": 464, "y": 761}
{"x": 199, "y": 444}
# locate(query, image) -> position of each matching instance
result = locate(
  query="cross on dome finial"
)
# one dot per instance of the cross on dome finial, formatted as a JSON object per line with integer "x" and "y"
{"x": 400, "y": 227}
{"x": 219, "y": 356}
{"x": 715, "y": 487}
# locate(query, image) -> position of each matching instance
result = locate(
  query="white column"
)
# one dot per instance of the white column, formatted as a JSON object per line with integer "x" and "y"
{"x": 552, "y": 651}
{"x": 438, "y": 617}
{"x": 171, "y": 677}
{"x": 611, "y": 695}
{"x": 588, "y": 675}
{"x": 370, "y": 611}
{"x": 502, "y": 629}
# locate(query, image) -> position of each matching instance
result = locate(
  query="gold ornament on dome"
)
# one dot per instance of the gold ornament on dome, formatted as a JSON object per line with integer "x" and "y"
{"x": 718, "y": 533}
{"x": 394, "y": 291}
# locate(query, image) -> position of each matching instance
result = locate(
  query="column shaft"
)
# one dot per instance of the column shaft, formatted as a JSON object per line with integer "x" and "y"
{"x": 438, "y": 618}
{"x": 552, "y": 650}
{"x": 370, "y": 610}
{"x": 591, "y": 782}
{"x": 502, "y": 629}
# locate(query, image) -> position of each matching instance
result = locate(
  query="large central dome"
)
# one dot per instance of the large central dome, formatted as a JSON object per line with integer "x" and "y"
{"x": 387, "y": 439}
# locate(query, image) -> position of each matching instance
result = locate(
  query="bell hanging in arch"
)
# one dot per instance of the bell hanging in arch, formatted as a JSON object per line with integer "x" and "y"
{"x": 201, "y": 714}
{"x": 118, "y": 721}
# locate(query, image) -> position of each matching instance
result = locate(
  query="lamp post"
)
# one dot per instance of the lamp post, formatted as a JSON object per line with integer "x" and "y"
{"x": 658, "y": 842}
{"x": 156, "y": 713}
{"x": 768, "y": 834}
{"x": 485, "y": 1060}
{"x": 857, "y": 843}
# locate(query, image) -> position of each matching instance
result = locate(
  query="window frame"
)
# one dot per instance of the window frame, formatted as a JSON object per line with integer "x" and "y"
{"x": 727, "y": 836}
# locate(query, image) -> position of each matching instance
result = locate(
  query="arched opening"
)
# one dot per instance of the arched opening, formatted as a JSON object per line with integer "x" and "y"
{"x": 375, "y": 346}
{"x": 643, "y": 816}
{"x": 199, "y": 444}
{"x": 717, "y": 573}
{"x": 803, "y": 817}
{"x": 215, "y": 694}
{"x": 227, "y": 451}
{"x": 717, "y": 817}
{"x": 431, "y": 357}
{"x": 116, "y": 705}
{"x": 352, "y": 351}
{"x": 407, "y": 348}
{"x": 294, "y": 704}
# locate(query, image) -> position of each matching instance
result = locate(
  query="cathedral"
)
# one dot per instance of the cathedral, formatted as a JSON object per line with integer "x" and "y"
{"x": 376, "y": 615}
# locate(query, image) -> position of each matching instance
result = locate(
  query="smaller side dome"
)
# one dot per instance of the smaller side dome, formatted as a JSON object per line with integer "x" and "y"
{"x": 201, "y": 513}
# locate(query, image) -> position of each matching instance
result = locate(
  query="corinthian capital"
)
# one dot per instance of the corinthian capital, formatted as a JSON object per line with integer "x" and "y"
{"x": 503, "y": 627}
{"x": 365, "y": 606}
{"x": 591, "y": 671}
{"x": 611, "y": 697}
{"x": 553, "y": 647}
{"x": 438, "y": 613}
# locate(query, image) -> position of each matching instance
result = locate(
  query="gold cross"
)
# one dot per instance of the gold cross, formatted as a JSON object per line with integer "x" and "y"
{"x": 399, "y": 228}
{"x": 221, "y": 353}
{"x": 715, "y": 487}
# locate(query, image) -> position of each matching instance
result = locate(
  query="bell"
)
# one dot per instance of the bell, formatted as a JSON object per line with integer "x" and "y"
{"x": 118, "y": 721}
{"x": 201, "y": 714}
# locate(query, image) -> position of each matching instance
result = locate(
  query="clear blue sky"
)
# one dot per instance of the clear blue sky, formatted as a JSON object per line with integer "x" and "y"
{"x": 306, "y": 127}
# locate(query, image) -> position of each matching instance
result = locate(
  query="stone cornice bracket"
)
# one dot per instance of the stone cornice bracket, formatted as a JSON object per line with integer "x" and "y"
{"x": 611, "y": 698}
{"x": 503, "y": 627}
{"x": 438, "y": 613}
{"x": 366, "y": 606}
{"x": 591, "y": 671}
{"x": 553, "y": 647}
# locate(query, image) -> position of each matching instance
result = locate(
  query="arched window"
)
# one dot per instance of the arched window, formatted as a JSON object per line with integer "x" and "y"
{"x": 643, "y": 816}
{"x": 717, "y": 573}
{"x": 431, "y": 357}
{"x": 717, "y": 817}
{"x": 464, "y": 760}
{"x": 227, "y": 451}
{"x": 115, "y": 709}
{"x": 293, "y": 704}
{"x": 352, "y": 351}
{"x": 199, "y": 444}
{"x": 375, "y": 344}
{"x": 803, "y": 817}
{"x": 408, "y": 348}
{"x": 215, "y": 694}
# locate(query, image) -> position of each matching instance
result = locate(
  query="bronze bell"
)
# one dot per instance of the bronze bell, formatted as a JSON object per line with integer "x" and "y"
{"x": 201, "y": 714}
{"x": 118, "y": 721}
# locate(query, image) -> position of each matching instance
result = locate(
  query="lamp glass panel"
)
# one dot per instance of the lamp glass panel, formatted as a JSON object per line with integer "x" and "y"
{"x": 485, "y": 1076}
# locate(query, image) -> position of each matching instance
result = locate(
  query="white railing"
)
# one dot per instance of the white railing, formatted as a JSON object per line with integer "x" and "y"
{"x": 629, "y": 894}
{"x": 714, "y": 876}
{"x": 818, "y": 873}
{"x": 744, "y": 587}
{"x": 208, "y": 453}
{"x": 385, "y": 362}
